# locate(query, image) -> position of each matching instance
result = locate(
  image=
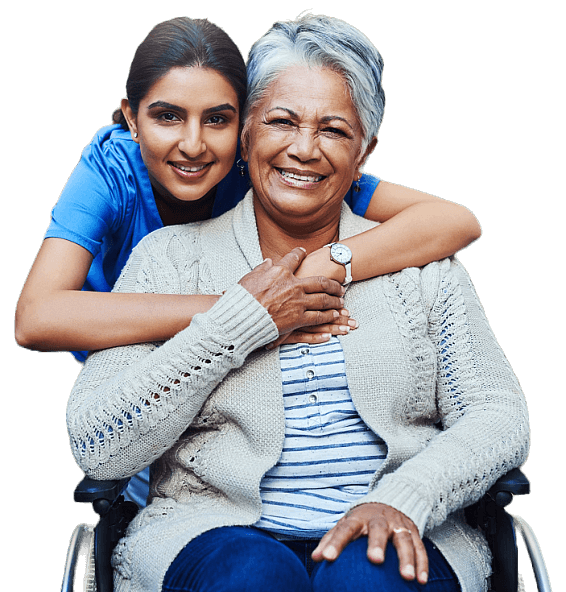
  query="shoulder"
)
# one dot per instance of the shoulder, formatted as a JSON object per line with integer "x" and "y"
{"x": 185, "y": 239}
{"x": 352, "y": 224}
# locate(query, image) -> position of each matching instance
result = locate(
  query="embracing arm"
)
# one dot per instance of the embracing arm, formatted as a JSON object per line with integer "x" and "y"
{"x": 54, "y": 314}
{"x": 132, "y": 403}
{"x": 416, "y": 228}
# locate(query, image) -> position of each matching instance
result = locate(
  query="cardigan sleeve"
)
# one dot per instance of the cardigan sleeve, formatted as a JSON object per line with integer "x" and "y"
{"x": 483, "y": 430}
{"x": 130, "y": 404}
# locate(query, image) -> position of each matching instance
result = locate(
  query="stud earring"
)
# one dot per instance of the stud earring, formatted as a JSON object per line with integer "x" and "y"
{"x": 135, "y": 134}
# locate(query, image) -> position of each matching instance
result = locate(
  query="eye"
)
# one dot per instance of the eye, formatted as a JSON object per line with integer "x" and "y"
{"x": 216, "y": 120}
{"x": 334, "y": 132}
{"x": 280, "y": 122}
{"x": 167, "y": 116}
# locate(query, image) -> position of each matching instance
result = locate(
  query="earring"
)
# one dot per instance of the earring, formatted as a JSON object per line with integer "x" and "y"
{"x": 241, "y": 167}
{"x": 357, "y": 187}
{"x": 135, "y": 134}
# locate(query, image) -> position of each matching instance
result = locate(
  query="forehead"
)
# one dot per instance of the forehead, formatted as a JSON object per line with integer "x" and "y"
{"x": 311, "y": 92}
{"x": 192, "y": 86}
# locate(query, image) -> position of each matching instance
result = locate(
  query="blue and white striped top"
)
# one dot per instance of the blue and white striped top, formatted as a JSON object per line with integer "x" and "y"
{"x": 329, "y": 454}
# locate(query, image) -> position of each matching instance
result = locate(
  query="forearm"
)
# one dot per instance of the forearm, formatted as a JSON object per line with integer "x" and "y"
{"x": 421, "y": 233}
{"x": 130, "y": 404}
{"x": 75, "y": 320}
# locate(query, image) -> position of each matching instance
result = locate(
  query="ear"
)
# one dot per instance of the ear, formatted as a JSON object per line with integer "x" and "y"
{"x": 244, "y": 142}
{"x": 365, "y": 156}
{"x": 131, "y": 119}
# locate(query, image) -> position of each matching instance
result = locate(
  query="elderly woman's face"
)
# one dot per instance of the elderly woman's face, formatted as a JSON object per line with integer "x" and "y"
{"x": 303, "y": 144}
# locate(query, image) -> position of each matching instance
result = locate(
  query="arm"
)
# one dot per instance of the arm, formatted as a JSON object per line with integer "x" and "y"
{"x": 416, "y": 228}
{"x": 484, "y": 432}
{"x": 53, "y": 314}
{"x": 130, "y": 404}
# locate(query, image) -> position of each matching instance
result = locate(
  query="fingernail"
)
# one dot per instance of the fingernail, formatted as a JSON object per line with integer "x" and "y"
{"x": 378, "y": 555}
{"x": 409, "y": 571}
{"x": 423, "y": 577}
{"x": 353, "y": 323}
{"x": 331, "y": 553}
{"x": 303, "y": 249}
{"x": 345, "y": 312}
{"x": 344, "y": 328}
{"x": 336, "y": 314}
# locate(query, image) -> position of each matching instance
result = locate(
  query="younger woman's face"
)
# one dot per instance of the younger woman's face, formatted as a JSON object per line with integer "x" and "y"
{"x": 187, "y": 128}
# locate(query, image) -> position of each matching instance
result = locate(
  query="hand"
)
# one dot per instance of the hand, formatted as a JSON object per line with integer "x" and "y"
{"x": 342, "y": 325}
{"x": 293, "y": 302}
{"x": 379, "y": 523}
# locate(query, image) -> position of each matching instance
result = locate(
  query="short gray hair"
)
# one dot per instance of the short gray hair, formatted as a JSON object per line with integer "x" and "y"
{"x": 321, "y": 41}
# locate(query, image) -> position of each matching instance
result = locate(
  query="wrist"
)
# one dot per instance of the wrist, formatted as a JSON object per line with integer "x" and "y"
{"x": 342, "y": 255}
{"x": 319, "y": 263}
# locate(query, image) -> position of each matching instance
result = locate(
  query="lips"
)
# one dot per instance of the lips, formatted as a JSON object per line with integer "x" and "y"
{"x": 189, "y": 170}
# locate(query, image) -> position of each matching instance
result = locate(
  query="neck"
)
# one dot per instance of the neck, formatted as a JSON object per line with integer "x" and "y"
{"x": 276, "y": 239}
{"x": 172, "y": 211}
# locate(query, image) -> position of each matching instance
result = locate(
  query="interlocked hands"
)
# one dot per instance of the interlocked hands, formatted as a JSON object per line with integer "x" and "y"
{"x": 292, "y": 302}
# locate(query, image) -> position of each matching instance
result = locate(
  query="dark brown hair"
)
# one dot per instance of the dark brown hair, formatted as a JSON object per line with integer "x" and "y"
{"x": 183, "y": 42}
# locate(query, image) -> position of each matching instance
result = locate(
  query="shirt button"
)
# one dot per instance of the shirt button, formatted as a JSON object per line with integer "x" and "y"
{"x": 313, "y": 399}
{"x": 310, "y": 374}
{"x": 305, "y": 351}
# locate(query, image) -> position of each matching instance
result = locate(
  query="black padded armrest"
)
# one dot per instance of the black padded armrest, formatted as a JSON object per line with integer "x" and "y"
{"x": 102, "y": 494}
{"x": 512, "y": 483}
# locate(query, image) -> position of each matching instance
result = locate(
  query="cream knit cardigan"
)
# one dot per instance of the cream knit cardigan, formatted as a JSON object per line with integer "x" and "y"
{"x": 206, "y": 408}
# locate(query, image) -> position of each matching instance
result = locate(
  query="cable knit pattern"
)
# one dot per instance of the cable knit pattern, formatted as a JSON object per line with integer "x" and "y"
{"x": 206, "y": 408}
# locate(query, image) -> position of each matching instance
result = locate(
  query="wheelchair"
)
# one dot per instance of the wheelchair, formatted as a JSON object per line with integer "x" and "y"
{"x": 88, "y": 567}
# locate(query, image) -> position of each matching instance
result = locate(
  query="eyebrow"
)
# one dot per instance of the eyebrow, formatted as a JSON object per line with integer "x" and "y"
{"x": 326, "y": 119}
{"x": 208, "y": 111}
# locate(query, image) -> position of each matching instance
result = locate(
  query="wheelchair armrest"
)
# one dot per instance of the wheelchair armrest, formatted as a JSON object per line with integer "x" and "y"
{"x": 102, "y": 494}
{"x": 512, "y": 483}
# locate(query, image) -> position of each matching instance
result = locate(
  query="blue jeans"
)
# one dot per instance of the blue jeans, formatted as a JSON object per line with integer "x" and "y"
{"x": 239, "y": 559}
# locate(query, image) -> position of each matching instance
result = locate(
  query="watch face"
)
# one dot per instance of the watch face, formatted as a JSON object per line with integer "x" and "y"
{"x": 341, "y": 253}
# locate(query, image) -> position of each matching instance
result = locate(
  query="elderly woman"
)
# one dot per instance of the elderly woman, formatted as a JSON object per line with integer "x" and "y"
{"x": 359, "y": 453}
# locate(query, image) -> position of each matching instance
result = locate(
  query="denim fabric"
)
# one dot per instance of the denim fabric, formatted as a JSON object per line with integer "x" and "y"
{"x": 235, "y": 558}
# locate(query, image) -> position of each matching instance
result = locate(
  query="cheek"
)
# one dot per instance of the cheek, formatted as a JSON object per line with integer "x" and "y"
{"x": 154, "y": 146}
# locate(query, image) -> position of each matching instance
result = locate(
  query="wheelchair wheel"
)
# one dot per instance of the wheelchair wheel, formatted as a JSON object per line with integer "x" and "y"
{"x": 89, "y": 579}
{"x": 521, "y": 587}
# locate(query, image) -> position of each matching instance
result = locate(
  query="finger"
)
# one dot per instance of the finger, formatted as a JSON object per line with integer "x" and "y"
{"x": 421, "y": 559}
{"x": 403, "y": 542}
{"x": 378, "y": 535}
{"x": 302, "y": 337}
{"x": 336, "y": 539}
{"x": 293, "y": 259}
{"x": 322, "y": 301}
{"x": 339, "y": 326}
{"x": 319, "y": 283}
{"x": 318, "y": 317}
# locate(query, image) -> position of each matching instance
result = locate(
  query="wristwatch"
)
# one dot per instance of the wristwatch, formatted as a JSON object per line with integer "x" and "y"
{"x": 342, "y": 255}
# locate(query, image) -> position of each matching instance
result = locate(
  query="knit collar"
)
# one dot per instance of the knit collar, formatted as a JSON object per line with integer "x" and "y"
{"x": 248, "y": 240}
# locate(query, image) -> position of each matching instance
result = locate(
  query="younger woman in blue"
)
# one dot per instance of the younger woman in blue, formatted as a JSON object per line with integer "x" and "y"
{"x": 172, "y": 158}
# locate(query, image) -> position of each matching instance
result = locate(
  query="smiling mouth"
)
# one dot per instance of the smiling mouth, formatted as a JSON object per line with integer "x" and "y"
{"x": 186, "y": 169}
{"x": 301, "y": 178}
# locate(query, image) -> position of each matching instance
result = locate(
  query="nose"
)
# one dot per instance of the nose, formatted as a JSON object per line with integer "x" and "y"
{"x": 191, "y": 142}
{"x": 305, "y": 144}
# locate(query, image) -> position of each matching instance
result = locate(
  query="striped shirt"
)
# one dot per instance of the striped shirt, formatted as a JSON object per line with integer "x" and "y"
{"x": 329, "y": 454}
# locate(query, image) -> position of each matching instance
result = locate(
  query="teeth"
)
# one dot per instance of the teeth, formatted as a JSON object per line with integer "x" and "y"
{"x": 306, "y": 178}
{"x": 190, "y": 169}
